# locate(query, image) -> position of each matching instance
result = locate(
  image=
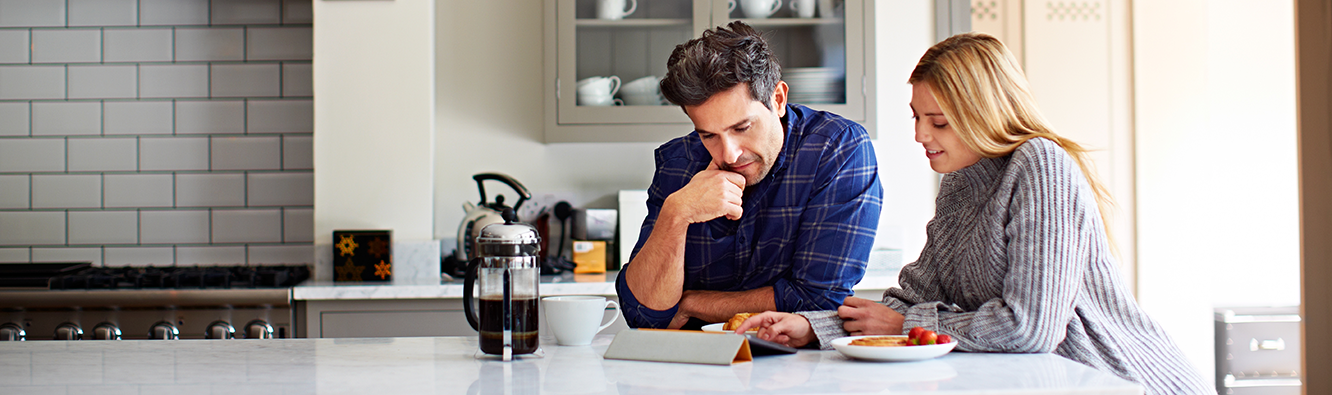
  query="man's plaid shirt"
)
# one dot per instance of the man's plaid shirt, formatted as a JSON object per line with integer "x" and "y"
{"x": 807, "y": 228}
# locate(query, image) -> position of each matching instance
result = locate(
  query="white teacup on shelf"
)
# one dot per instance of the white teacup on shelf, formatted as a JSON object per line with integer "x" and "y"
{"x": 803, "y": 8}
{"x": 760, "y": 9}
{"x": 599, "y": 100}
{"x": 614, "y": 9}
{"x": 599, "y": 86}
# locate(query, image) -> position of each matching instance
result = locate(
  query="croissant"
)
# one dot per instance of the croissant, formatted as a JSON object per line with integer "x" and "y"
{"x": 736, "y": 320}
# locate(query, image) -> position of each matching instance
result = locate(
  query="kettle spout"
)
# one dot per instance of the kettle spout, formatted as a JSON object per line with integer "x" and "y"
{"x": 468, "y": 206}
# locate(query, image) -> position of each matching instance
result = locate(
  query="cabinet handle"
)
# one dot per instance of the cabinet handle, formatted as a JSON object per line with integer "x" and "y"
{"x": 1231, "y": 382}
{"x": 1277, "y": 345}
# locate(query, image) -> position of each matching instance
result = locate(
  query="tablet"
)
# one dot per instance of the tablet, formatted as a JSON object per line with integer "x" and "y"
{"x": 759, "y": 347}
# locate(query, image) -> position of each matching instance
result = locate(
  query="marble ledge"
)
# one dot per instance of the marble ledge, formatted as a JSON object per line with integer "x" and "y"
{"x": 594, "y": 284}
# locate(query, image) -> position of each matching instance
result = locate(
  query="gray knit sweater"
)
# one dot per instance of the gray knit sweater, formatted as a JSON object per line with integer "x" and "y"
{"x": 1017, "y": 261}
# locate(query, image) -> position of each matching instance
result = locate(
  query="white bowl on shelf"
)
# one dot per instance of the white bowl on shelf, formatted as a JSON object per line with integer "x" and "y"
{"x": 641, "y": 99}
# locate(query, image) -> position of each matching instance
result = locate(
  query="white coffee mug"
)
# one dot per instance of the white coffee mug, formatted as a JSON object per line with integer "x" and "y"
{"x": 599, "y": 86}
{"x": 614, "y": 9}
{"x": 760, "y": 9}
{"x": 803, "y": 8}
{"x": 574, "y": 320}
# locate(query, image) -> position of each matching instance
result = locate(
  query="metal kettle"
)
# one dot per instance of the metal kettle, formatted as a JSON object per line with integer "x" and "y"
{"x": 485, "y": 213}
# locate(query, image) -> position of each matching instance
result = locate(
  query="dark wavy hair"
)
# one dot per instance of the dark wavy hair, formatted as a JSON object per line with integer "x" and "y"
{"x": 718, "y": 60}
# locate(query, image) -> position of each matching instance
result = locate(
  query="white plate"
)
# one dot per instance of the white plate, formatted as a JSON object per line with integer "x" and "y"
{"x": 891, "y": 354}
{"x": 718, "y": 328}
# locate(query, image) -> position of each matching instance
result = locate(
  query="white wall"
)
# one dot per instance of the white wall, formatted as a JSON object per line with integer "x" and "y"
{"x": 374, "y": 122}
{"x": 1215, "y": 136}
{"x": 904, "y": 30}
{"x": 489, "y": 103}
{"x": 1251, "y": 113}
{"x": 489, "y": 108}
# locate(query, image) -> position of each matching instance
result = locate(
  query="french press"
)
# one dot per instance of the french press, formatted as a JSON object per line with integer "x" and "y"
{"x": 508, "y": 268}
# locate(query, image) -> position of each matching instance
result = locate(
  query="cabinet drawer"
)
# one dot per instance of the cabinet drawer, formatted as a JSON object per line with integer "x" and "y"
{"x": 393, "y": 323}
{"x": 1263, "y": 345}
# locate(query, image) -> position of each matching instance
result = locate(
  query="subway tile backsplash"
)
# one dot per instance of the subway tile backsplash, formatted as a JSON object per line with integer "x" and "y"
{"x": 173, "y": 12}
{"x": 205, "y": 44}
{"x": 28, "y": 13}
{"x": 103, "y": 12}
{"x": 156, "y": 132}
{"x": 138, "y": 44}
{"x": 102, "y": 82}
{"x": 14, "y": 46}
{"x": 66, "y": 45}
{"x": 32, "y": 82}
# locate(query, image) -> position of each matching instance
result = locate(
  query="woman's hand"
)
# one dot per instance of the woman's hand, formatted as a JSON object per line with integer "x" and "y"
{"x": 784, "y": 328}
{"x": 866, "y": 317}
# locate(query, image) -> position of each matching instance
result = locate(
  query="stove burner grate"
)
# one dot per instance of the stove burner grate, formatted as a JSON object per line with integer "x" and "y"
{"x": 182, "y": 277}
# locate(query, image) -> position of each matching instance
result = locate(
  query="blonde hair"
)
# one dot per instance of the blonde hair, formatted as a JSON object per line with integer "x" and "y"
{"x": 983, "y": 92}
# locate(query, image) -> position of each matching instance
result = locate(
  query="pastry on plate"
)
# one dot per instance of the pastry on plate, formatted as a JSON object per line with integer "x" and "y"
{"x": 735, "y": 321}
{"x": 881, "y": 341}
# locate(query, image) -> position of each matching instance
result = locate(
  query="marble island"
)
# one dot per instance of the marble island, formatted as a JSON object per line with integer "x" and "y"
{"x": 433, "y": 307}
{"x": 451, "y": 365}
{"x": 566, "y": 284}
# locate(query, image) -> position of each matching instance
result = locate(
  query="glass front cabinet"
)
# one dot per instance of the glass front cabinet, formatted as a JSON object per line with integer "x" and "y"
{"x": 603, "y": 59}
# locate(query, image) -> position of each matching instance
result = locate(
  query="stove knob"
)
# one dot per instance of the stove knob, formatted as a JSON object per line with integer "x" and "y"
{"x": 220, "y": 330}
{"x": 258, "y": 329}
{"x": 163, "y": 331}
{"x": 12, "y": 332}
{"x": 68, "y": 331}
{"x": 106, "y": 331}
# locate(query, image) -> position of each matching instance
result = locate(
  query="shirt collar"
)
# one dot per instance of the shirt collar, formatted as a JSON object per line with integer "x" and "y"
{"x": 793, "y": 124}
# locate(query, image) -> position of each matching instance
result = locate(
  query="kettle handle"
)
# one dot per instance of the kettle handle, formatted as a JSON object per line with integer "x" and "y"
{"x": 469, "y": 281}
{"x": 523, "y": 195}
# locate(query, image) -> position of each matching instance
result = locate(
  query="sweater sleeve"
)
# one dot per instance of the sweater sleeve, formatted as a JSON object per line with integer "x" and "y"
{"x": 1051, "y": 225}
{"x": 826, "y": 324}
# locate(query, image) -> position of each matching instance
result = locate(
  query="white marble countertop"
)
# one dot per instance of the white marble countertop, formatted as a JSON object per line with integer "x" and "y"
{"x": 451, "y": 365}
{"x": 567, "y": 284}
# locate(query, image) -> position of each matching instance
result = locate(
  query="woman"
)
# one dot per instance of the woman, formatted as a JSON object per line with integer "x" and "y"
{"x": 1017, "y": 258}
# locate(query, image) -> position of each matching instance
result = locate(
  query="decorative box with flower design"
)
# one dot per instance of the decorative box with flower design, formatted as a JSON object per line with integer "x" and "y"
{"x": 362, "y": 256}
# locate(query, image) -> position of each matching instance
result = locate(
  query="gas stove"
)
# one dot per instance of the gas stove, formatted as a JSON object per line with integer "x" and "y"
{"x": 218, "y": 277}
{"x": 73, "y": 301}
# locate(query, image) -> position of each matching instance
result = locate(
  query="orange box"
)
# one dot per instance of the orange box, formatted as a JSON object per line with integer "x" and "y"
{"x": 589, "y": 256}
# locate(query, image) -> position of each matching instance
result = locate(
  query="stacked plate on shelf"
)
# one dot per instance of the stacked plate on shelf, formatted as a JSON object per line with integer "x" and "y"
{"x": 815, "y": 85}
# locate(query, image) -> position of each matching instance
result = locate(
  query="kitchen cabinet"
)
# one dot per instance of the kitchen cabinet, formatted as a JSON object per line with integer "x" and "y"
{"x": 398, "y": 318}
{"x": 829, "y": 56}
{"x": 381, "y": 318}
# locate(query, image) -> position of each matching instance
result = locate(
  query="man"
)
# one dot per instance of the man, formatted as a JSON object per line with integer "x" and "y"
{"x": 766, "y": 206}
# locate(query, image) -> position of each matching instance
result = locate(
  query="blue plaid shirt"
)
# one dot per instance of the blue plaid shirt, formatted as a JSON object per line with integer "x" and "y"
{"x": 807, "y": 228}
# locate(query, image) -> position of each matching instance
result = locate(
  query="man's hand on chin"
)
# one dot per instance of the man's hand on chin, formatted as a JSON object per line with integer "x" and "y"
{"x": 712, "y": 193}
